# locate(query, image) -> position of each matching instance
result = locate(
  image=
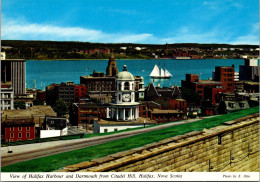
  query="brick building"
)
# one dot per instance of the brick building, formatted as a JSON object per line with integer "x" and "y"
{"x": 112, "y": 69}
{"x": 164, "y": 116}
{"x": 99, "y": 83}
{"x": 168, "y": 98}
{"x": 69, "y": 92}
{"x": 83, "y": 113}
{"x": 41, "y": 95}
{"x": 192, "y": 82}
{"x": 146, "y": 106}
{"x": 18, "y": 129}
{"x": 225, "y": 75}
{"x": 97, "y": 51}
{"x": 213, "y": 94}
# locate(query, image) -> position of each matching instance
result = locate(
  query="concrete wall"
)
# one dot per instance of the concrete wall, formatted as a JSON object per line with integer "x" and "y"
{"x": 53, "y": 133}
{"x": 233, "y": 147}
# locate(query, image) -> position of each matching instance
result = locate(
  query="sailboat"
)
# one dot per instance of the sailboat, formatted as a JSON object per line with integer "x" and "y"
{"x": 160, "y": 73}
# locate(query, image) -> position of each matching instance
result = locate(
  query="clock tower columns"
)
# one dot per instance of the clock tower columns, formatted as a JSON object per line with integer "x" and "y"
{"x": 125, "y": 108}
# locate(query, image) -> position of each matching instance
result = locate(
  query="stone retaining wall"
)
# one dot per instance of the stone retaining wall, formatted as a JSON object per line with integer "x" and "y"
{"x": 233, "y": 147}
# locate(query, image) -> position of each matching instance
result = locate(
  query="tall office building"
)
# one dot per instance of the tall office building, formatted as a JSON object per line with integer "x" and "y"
{"x": 13, "y": 70}
{"x": 250, "y": 70}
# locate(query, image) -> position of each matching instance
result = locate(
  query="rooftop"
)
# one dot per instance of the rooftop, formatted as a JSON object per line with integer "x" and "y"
{"x": 31, "y": 111}
{"x": 252, "y": 83}
{"x": 166, "y": 111}
{"x": 91, "y": 77}
{"x": 19, "y": 122}
{"x": 13, "y": 60}
{"x": 125, "y": 75}
{"x": 140, "y": 121}
{"x": 207, "y": 82}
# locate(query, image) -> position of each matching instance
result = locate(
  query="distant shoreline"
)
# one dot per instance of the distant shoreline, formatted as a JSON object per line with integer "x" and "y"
{"x": 116, "y": 59}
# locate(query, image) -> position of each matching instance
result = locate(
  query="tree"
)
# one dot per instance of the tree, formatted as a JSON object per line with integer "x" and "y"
{"x": 60, "y": 107}
{"x": 19, "y": 105}
{"x": 38, "y": 102}
{"x": 190, "y": 96}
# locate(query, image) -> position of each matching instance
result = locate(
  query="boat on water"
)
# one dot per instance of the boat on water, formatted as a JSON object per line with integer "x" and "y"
{"x": 160, "y": 73}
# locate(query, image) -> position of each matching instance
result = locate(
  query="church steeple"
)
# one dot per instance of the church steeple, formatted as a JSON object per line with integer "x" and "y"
{"x": 112, "y": 69}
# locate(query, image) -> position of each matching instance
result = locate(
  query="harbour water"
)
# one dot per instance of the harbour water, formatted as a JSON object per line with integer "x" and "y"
{"x": 44, "y": 73}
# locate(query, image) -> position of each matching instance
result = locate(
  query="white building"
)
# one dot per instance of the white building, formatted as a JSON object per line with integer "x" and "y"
{"x": 141, "y": 89}
{"x": 125, "y": 108}
{"x": 54, "y": 127}
{"x": 3, "y": 56}
{"x": 124, "y": 113}
{"x": 7, "y": 97}
{"x": 236, "y": 76}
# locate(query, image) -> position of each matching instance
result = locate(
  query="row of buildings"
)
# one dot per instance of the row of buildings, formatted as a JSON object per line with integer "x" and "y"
{"x": 114, "y": 100}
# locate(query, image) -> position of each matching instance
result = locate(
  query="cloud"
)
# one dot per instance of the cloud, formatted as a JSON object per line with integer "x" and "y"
{"x": 210, "y": 4}
{"x": 251, "y": 38}
{"x": 21, "y": 30}
{"x": 247, "y": 39}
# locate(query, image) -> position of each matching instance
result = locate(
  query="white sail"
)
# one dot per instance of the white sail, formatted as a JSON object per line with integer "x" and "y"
{"x": 167, "y": 73}
{"x": 156, "y": 71}
{"x": 162, "y": 73}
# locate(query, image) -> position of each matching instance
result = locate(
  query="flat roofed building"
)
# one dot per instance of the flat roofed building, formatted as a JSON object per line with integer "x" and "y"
{"x": 18, "y": 129}
{"x": 7, "y": 96}
{"x": 192, "y": 82}
{"x": 250, "y": 70}
{"x": 104, "y": 126}
{"x": 37, "y": 112}
{"x": 68, "y": 92}
{"x": 13, "y": 70}
{"x": 225, "y": 75}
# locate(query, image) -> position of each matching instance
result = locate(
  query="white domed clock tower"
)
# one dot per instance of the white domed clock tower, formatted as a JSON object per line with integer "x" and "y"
{"x": 125, "y": 108}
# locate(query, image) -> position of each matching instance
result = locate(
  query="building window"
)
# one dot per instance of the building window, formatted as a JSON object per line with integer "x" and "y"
{"x": 27, "y": 128}
{"x": 219, "y": 139}
{"x": 19, "y": 135}
{"x": 126, "y": 86}
{"x": 12, "y": 129}
{"x": 11, "y": 135}
{"x": 19, "y": 128}
{"x": 231, "y": 105}
{"x": 105, "y": 130}
{"x": 27, "y": 135}
{"x": 119, "y": 97}
{"x": 242, "y": 104}
{"x": 126, "y": 114}
{"x": 119, "y": 86}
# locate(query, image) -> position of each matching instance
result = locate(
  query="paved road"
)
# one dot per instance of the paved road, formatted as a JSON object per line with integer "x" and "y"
{"x": 32, "y": 151}
{"x": 73, "y": 131}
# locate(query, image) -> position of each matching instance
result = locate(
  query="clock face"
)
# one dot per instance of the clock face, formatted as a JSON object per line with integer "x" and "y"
{"x": 126, "y": 97}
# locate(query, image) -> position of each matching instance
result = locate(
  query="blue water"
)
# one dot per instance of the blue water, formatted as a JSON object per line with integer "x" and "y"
{"x": 44, "y": 73}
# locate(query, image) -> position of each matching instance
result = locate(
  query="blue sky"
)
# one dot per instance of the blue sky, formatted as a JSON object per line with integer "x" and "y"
{"x": 133, "y": 21}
